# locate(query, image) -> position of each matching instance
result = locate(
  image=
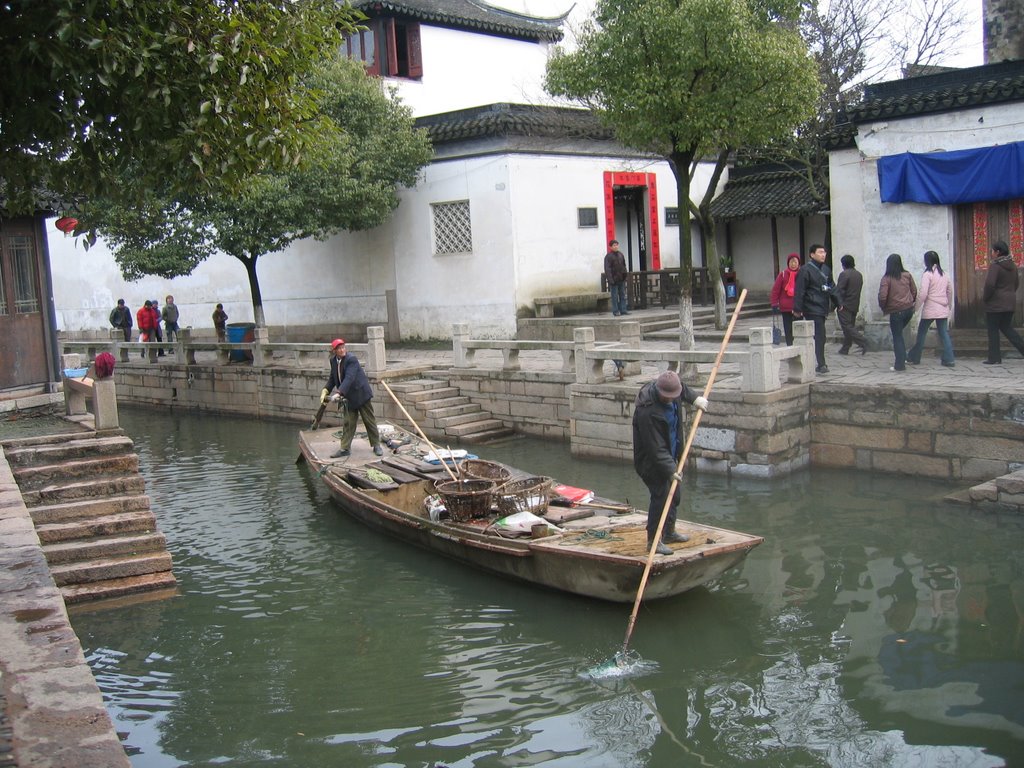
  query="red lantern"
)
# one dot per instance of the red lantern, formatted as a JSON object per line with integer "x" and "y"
{"x": 66, "y": 224}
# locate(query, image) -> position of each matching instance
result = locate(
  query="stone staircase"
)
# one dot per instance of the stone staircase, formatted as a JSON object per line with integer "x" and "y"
{"x": 445, "y": 414}
{"x": 92, "y": 515}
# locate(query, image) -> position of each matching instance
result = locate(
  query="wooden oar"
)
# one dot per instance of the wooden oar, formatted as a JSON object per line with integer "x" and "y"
{"x": 679, "y": 469}
{"x": 419, "y": 431}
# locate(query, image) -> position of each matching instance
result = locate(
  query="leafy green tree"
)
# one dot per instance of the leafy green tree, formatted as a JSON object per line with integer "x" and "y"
{"x": 682, "y": 78}
{"x": 185, "y": 92}
{"x": 348, "y": 182}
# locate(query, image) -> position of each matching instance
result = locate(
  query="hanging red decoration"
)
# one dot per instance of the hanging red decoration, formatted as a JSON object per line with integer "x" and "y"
{"x": 66, "y": 224}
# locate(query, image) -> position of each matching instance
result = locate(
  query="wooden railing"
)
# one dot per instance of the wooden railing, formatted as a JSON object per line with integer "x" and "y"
{"x": 648, "y": 288}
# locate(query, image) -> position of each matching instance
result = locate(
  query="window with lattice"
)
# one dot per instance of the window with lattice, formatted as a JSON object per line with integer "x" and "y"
{"x": 452, "y": 230}
{"x": 26, "y": 296}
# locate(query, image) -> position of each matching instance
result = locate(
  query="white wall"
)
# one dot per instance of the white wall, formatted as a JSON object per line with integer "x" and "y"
{"x": 871, "y": 230}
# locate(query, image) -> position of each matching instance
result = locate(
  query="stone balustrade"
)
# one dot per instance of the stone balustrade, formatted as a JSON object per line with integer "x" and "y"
{"x": 261, "y": 351}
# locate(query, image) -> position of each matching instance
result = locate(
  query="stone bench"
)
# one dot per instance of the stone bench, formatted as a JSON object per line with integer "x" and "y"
{"x": 545, "y": 306}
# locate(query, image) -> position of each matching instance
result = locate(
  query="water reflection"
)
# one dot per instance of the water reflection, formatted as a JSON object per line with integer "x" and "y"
{"x": 876, "y": 625}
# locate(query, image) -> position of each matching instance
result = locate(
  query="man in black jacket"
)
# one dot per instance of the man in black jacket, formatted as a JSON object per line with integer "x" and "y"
{"x": 121, "y": 317}
{"x": 348, "y": 381}
{"x": 813, "y": 298}
{"x": 659, "y": 426}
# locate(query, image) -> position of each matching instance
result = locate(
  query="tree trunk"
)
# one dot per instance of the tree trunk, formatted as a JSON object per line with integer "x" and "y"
{"x": 254, "y": 289}
{"x": 680, "y": 164}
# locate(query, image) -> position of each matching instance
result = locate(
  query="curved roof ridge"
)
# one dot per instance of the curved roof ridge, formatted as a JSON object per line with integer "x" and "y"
{"x": 485, "y": 6}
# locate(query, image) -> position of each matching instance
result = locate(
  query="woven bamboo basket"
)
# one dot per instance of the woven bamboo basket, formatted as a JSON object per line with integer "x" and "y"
{"x": 479, "y": 469}
{"x": 466, "y": 499}
{"x": 531, "y": 494}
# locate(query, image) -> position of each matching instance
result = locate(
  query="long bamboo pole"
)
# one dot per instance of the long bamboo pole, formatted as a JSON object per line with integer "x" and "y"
{"x": 419, "y": 431}
{"x": 679, "y": 469}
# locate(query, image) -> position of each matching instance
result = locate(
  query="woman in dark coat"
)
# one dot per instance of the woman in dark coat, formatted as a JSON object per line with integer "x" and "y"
{"x": 1000, "y": 299}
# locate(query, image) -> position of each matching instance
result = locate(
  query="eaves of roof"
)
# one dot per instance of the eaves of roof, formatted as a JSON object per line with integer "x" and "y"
{"x": 468, "y": 14}
{"x": 499, "y": 120}
{"x": 931, "y": 94}
{"x": 760, "y": 195}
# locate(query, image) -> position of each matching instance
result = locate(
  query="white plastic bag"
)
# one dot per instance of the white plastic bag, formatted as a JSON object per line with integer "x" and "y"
{"x": 523, "y": 522}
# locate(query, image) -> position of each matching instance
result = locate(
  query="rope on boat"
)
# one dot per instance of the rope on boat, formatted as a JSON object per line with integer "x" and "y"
{"x": 590, "y": 535}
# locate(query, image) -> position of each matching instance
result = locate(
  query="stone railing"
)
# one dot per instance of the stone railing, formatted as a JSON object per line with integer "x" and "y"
{"x": 759, "y": 360}
{"x": 79, "y": 393}
{"x": 260, "y": 352}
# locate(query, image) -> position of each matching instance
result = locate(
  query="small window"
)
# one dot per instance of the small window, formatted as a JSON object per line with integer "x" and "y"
{"x": 671, "y": 217}
{"x": 452, "y": 230}
{"x": 388, "y": 47}
{"x": 587, "y": 217}
{"x": 26, "y": 295}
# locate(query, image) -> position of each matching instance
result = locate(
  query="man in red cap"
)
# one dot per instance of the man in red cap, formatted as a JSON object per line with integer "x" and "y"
{"x": 348, "y": 381}
{"x": 659, "y": 425}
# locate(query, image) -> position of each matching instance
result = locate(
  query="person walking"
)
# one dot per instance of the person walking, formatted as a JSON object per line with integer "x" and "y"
{"x": 348, "y": 383}
{"x": 813, "y": 299}
{"x": 781, "y": 297}
{"x": 170, "y": 317}
{"x": 848, "y": 290}
{"x": 121, "y": 318}
{"x": 220, "y": 319}
{"x": 934, "y": 303}
{"x": 615, "y": 273}
{"x": 999, "y": 297}
{"x": 659, "y": 426}
{"x": 897, "y": 294}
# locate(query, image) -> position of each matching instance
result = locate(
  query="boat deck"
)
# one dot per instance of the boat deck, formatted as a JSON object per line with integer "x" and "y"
{"x": 599, "y": 528}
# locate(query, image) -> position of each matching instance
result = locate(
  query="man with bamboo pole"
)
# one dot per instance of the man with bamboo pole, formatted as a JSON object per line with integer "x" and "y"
{"x": 659, "y": 433}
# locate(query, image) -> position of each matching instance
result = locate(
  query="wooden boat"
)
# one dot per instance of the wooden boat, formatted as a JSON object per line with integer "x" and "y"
{"x": 598, "y": 550}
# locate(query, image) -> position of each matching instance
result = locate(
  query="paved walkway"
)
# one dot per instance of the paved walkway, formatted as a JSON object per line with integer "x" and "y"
{"x": 871, "y": 369}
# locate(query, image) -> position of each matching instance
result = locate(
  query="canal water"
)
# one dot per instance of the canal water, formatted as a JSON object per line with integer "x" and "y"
{"x": 877, "y": 625}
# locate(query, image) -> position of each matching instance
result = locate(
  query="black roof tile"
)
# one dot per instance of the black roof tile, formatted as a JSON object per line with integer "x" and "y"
{"x": 514, "y": 120}
{"x": 467, "y": 14}
{"x": 765, "y": 193}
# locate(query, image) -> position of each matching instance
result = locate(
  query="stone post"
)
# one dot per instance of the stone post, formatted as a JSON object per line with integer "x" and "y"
{"x": 587, "y": 371}
{"x": 460, "y": 332}
{"x": 376, "y": 352}
{"x": 260, "y": 336}
{"x": 801, "y": 368}
{"x": 761, "y": 369}
{"x": 183, "y": 339}
{"x": 631, "y": 338}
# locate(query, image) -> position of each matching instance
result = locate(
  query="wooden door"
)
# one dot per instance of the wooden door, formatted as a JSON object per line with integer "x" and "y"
{"x": 977, "y": 225}
{"x": 22, "y": 330}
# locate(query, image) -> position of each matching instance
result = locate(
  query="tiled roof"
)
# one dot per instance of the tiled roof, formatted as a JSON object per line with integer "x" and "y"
{"x": 929, "y": 94}
{"x": 467, "y": 14}
{"x": 765, "y": 193}
{"x": 513, "y": 120}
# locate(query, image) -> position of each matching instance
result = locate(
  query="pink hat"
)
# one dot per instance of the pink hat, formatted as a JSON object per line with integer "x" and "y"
{"x": 337, "y": 343}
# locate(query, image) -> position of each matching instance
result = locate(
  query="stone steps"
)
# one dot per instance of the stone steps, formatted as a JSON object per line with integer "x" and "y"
{"x": 114, "y": 567}
{"x": 86, "y": 552}
{"x": 42, "y": 476}
{"x": 91, "y": 527}
{"x": 442, "y": 412}
{"x": 93, "y": 519}
{"x": 153, "y": 583}
{"x": 86, "y": 508}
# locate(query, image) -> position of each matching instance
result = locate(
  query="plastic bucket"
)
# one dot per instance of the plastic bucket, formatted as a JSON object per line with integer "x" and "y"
{"x": 240, "y": 333}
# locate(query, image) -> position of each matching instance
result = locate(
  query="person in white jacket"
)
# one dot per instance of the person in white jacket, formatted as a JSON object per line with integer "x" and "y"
{"x": 934, "y": 302}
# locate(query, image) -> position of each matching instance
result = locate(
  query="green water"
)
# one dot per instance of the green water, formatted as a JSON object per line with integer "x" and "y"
{"x": 876, "y": 626}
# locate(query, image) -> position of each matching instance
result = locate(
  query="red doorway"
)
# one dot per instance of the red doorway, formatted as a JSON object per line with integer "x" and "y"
{"x": 632, "y": 199}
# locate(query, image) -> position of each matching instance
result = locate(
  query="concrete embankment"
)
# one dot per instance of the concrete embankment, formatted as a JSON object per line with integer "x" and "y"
{"x": 55, "y": 712}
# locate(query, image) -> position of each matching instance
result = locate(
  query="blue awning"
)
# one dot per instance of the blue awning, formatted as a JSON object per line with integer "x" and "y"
{"x": 950, "y": 178}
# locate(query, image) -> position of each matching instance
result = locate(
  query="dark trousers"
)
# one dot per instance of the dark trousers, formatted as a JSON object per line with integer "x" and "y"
{"x": 819, "y": 337}
{"x": 659, "y": 493}
{"x": 1001, "y": 322}
{"x": 348, "y": 426}
{"x": 787, "y": 327}
{"x": 897, "y": 322}
{"x": 851, "y": 335}
{"x": 127, "y": 331}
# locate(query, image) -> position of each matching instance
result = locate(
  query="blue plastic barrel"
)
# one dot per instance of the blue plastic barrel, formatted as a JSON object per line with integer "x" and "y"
{"x": 239, "y": 333}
